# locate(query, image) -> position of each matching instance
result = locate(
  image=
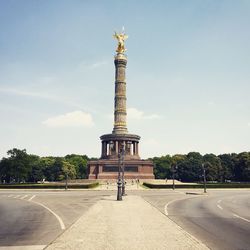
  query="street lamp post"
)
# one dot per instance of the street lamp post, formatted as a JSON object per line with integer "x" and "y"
{"x": 123, "y": 168}
{"x": 66, "y": 181}
{"x": 204, "y": 177}
{"x": 119, "y": 181}
{"x": 174, "y": 167}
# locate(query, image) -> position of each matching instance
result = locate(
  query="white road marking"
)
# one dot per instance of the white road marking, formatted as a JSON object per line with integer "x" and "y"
{"x": 23, "y": 196}
{"x": 220, "y": 207}
{"x": 10, "y": 195}
{"x": 58, "y": 218}
{"x": 166, "y": 206}
{"x": 31, "y": 197}
{"x": 236, "y": 215}
{"x": 32, "y": 247}
{"x": 40, "y": 204}
{"x": 219, "y": 201}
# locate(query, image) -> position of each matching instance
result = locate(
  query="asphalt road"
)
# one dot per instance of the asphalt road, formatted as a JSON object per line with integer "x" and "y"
{"x": 220, "y": 219}
{"x": 35, "y": 218}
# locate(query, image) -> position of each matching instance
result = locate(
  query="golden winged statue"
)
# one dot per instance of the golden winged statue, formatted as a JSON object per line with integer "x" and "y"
{"x": 121, "y": 37}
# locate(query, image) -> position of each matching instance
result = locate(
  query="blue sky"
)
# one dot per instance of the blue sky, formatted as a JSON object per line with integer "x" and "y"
{"x": 188, "y": 77}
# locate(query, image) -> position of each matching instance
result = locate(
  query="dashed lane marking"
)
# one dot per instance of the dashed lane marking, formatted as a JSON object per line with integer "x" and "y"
{"x": 31, "y": 198}
{"x": 219, "y": 201}
{"x": 242, "y": 218}
{"x": 23, "y": 197}
{"x": 220, "y": 207}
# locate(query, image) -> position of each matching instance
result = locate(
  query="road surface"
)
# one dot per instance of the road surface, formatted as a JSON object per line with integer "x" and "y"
{"x": 221, "y": 219}
{"x": 32, "y": 219}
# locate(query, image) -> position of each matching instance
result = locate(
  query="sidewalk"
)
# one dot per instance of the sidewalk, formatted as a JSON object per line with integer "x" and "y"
{"x": 129, "y": 224}
{"x": 113, "y": 186}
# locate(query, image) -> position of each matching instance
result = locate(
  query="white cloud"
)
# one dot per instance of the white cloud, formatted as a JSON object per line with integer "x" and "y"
{"x": 73, "y": 119}
{"x": 19, "y": 92}
{"x": 87, "y": 66}
{"x": 136, "y": 114}
{"x": 25, "y": 93}
{"x": 97, "y": 64}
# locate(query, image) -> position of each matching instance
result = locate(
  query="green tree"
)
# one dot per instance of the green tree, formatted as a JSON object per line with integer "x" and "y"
{"x": 19, "y": 165}
{"x": 242, "y": 167}
{"x": 162, "y": 167}
{"x": 47, "y": 165}
{"x": 37, "y": 169}
{"x": 189, "y": 170}
{"x": 227, "y": 164}
{"x": 213, "y": 169}
{"x": 80, "y": 163}
{"x": 68, "y": 171}
{"x": 5, "y": 170}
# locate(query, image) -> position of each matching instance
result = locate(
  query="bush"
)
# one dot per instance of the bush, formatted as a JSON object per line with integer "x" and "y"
{"x": 199, "y": 185}
{"x": 49, "y": 185}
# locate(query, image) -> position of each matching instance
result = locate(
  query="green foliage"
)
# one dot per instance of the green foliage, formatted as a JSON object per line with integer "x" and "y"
{"x": 16, "y": 167}
{"x": 242, "y": 166}
{"x": 213, "y": 167}
{"x": 190, "y": 168}
{"x": 68, "y": 171}
{"x": 162, "y": 167}
{"x": 80, "y": 163}
{"x": 200, "y": 186}
{"x": 227, "y": 165}
{"x": 49, "y": 185}
{"x": 21, "y": 167}
{"x": 221, "y": 168}
{"x": 37, "y": 169}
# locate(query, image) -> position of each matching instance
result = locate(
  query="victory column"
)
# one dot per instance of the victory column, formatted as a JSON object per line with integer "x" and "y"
{"x": 107, "y": 167}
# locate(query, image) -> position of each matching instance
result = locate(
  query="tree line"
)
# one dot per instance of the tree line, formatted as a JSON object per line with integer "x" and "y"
{"x": 189, "y": 168}
{"x": 19, "y": 166}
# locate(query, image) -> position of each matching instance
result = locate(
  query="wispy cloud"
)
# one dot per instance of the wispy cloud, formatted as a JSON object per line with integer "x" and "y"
{"x": 98, "y": 64}
{"x": 136, "y": 114}
{"x": 26, "y": 93}
{"x": 41, "y": 95}
{"x": 73, "y": 119}
{"x": 88, "y": 66}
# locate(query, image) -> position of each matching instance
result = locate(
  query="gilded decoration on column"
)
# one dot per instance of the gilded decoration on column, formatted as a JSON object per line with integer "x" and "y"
{"x": 121, "y": 37}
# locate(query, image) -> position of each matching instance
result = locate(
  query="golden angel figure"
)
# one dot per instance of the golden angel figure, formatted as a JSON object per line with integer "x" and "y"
{"x": 120, "y": 38}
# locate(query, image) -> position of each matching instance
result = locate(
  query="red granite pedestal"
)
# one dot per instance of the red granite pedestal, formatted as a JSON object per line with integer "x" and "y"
{"x": 108, "y": 169}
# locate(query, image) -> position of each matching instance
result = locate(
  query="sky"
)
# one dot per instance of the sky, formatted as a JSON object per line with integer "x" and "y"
{"x": 188, "y": 75}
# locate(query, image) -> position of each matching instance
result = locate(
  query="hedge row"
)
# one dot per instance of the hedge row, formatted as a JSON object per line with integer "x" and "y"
{"x": 209, "y": 185}
{"x": 49, "y": 185}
